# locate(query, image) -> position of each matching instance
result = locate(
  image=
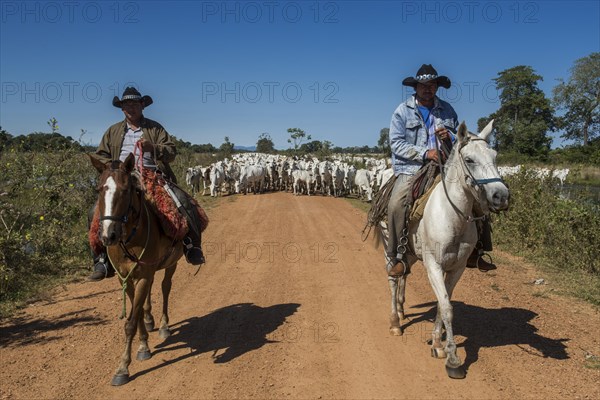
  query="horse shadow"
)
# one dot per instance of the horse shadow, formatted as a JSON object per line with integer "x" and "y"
{"x": 483, "y": 327}
{"x": 235, "y": 330}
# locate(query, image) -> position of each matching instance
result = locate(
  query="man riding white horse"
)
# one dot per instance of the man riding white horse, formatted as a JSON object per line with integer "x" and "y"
{"x": 422, "y": 130}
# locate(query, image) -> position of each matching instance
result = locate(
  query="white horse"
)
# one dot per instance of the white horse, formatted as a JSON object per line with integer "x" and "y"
{"x": 446, "y": 235}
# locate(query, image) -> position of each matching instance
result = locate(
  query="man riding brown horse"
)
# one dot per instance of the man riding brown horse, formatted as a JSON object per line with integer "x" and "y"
{"x": 158, "y": 150}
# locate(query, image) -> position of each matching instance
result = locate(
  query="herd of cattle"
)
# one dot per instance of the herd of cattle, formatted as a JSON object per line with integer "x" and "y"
{"x": 337, "y": 176}
{"x": 542, "y": 173}
{"x": 257, "y": 173}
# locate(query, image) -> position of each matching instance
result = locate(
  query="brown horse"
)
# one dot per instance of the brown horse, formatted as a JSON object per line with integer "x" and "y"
{"x": 137, "y": 248}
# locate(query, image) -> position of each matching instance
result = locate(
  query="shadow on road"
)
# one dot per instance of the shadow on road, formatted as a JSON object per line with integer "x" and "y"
{"x": 495, "y": 327}
{"x": 25, "y": 331}
{"x": 228, "y": 332}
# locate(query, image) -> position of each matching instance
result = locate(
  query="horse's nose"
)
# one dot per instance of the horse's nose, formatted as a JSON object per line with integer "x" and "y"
{"x": 500, "y": 199}
{"x": 110, "y": 237}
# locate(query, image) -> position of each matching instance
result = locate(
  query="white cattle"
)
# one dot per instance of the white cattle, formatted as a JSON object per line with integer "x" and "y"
{"x": 349, "y": 175}
{"x": 326, "y": 180}
{"x": 560, "y": 174}
{"x": 217, "y": 178}
{"x": 337, "y": 176}
{"x": 384, "y": 176}
{"x": 192, "y": 178}
{"x": 302, "y": 179}
{"x": 252, "y": 178}
{"x": 363, "y": 183}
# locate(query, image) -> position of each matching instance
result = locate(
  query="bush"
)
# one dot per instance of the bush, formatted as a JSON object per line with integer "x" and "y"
{"x": 563, "y": 233}
{"x": 44, "y": 200}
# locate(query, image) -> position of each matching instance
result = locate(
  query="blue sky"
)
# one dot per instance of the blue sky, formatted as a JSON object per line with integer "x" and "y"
{"x": 238, "y": 69}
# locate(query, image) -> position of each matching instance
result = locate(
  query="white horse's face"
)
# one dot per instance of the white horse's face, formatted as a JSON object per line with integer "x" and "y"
{"x": 480, "y": 169}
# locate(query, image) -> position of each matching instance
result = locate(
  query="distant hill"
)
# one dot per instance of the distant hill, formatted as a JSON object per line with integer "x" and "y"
{"x": 245, "y": 148}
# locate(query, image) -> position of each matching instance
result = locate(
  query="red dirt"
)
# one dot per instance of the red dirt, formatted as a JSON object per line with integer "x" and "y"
{"x": 291, "y": 304}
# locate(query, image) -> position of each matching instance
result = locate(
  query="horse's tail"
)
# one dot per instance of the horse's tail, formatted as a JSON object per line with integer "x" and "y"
{"x": 378, "y": 213}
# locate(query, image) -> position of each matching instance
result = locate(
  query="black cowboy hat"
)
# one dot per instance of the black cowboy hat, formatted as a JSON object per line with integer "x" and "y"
{"x": 131, "y": 93}
{"x": 427, "y": 74}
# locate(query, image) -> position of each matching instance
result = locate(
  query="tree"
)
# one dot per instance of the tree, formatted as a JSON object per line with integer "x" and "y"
{"x": 53, "y": 124}
{"x": 265, "y": 144}
{"x": 227, "y": 147}
{"x": 580, "y": 98}
{"x": 384, "y": 142}
{"x": 297, "y": 136}
{"x": 525, "y": 115}
{"x": 5, "y": 139}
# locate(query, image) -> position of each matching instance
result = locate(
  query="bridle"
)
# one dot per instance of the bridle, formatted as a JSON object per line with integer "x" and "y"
{"x": 123, "y": 219}
{"x": 471, "y": 182}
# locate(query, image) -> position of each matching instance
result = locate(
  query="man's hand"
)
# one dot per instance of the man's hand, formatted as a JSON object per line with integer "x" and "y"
{"x": 431, "y": 155}
{"x": 442, "y": 133}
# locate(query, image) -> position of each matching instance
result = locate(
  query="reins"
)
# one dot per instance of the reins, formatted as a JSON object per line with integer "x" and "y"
{"x": 137, "y": 260}
{"x": 474, "y": 182}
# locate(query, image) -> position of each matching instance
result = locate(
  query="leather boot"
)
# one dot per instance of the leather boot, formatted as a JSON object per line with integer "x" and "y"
{"x": 102, "y": 268}
{"x": 476, "y": 260}
{"x": 192, "y": 250}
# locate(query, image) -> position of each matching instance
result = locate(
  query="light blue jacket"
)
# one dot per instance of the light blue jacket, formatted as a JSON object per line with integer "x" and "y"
{"x": 408, "y": 134}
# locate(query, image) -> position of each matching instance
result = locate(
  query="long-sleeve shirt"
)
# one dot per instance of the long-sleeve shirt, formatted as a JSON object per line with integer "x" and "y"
{"x": 409, "y": 135}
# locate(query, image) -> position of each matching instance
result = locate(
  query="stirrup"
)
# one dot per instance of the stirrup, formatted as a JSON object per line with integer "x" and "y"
{"x": 193, "y": 255}
{"x": 394, "y": 271}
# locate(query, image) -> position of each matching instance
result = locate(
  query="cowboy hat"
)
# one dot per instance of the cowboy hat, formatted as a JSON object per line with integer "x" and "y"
{"x": 131, "y": 93}
{"x": 427, "y": 74}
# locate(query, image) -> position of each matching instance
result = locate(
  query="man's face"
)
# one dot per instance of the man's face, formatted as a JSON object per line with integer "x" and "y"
{"x": 132, "y": 109}
{"x": 426, "y": 91}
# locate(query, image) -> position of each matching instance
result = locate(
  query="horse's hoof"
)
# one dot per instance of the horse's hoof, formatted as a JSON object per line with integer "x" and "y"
{"x": 119, "y": 380}
{"x": 456, "y": 373}
{"x": 395, "y": 331}
{"x": 437, "y": 352}
{"x": 149, "y": 326}
{"x": 164, "y": 333}
{"x": 143, "y": 355}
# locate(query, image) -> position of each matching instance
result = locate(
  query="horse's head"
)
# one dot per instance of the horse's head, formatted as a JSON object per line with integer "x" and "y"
{"x": 477, "y": 163}
{"x": 116, "y": 189}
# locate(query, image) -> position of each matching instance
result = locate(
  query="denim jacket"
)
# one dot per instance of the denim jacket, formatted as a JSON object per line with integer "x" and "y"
{"x": 408, "y": 134}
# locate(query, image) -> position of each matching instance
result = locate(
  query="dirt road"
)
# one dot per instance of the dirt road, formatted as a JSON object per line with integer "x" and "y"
{"x": 292, "y": 304}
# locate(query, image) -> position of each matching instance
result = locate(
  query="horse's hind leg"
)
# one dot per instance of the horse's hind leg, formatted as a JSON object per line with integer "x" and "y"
{"x": 164, "y": 331}
{"x": 148, "y": 318}
{"x": 394, "y": 317}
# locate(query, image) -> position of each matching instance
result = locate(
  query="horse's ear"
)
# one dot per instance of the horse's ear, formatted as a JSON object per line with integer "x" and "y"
{"x": 129, "y": 163}
{"x": 99, "y": 165}
{"x": 485, "y": 133}
{"x": 462, "y": 133}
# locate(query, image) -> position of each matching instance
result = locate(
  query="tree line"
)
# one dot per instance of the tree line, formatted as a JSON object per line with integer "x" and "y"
{"x": 523, "y": 122}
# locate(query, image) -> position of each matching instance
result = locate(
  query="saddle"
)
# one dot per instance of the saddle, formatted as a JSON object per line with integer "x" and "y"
{"x": 172, "y": 222}
{"x": 421, "y": 186}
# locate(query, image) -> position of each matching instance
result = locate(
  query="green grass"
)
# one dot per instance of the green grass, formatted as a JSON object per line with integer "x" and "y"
{"x": 592, "y": 362}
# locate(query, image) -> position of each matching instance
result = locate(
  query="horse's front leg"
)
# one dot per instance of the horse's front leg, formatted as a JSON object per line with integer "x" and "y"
{"x": 136, "y": 297}
{"x": 148, "y": 318}
{"x": 438, "y": 283}
{"x": 121, "y": 375}
{"x": 437, "y": 348}
{"x": 164, "y": 331}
